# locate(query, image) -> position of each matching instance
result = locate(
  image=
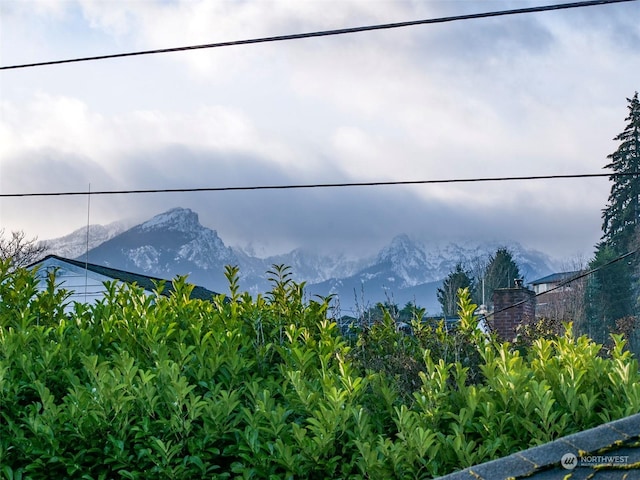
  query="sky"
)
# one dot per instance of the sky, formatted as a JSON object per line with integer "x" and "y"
{"x": 522, "y": 95}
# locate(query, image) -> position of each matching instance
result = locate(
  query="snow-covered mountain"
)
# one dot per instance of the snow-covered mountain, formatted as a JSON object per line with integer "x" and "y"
{"x": 169, "y": 244}
{"x": 75, "y": 244}
{"x": 406, "y": 260}
{"x": 409, "y": 271}
{"x": 313, "y": 268}
{"x": 305, "y": 266}
{"x": 175, "y": 243}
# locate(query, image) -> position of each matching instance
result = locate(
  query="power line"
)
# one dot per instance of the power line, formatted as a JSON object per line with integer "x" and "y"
{"x": 316, "y": 185}
{"x": 326, "y": 33}
{"x": 568, "y": 281}
{"x": 564, "y": 283}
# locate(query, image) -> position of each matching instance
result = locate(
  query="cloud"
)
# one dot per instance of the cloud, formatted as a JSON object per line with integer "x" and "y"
{"x": 68, "y": 125}
{"x": 356, "y": 220}
{"x": 521, "y": 95}
{"x": 220, "y": 147}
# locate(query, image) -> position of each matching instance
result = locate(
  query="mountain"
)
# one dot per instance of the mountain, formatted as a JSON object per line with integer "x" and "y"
{"x": 175, "y": 243}
{"x": 313, "y": 268}
{"x": 169, "y": 244}
{"x": 304, "y": 266}
{"x": 75, "y": 244}
{"x": 409, "y": 271}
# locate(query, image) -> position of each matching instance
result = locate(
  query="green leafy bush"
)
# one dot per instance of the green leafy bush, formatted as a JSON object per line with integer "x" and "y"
{"x": 140, "y": 386}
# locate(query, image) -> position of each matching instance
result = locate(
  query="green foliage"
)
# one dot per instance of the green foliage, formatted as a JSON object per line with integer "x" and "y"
{"x": 138, "y": 386}
{"x": 547, "y": 328}
{"x": 612, "y": 291}
{"x": 377, "y": 313}
{"x": 622, "y": 215}
{"x": 608, "y": 292}
{"x": 448, "y": 293}
{"x": 501, "y": 271}
{"x": 384, "y": 347}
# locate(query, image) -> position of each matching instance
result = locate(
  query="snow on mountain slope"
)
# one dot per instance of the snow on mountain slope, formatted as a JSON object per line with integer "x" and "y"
{"x": 406, "y": 260}
{"x": 406, "y": 270}
{"x": 171, "y": 243}
{"x": 313, "y": 268}
{"x": 201, "y": 246}
{"x": 414, "y": 263}
{"x": 75, "y": 244}
{"x": 175, "y": 243}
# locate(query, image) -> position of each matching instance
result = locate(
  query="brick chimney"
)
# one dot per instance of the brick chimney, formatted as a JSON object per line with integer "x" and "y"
{"x": 505, "y": 320}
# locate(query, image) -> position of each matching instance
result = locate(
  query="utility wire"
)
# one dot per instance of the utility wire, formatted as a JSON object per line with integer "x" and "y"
{"x": 568, "y": 281}
{"x": 317, "y": 185}
{"x": 564, "y": 283}
{"x": 326, "y": 33}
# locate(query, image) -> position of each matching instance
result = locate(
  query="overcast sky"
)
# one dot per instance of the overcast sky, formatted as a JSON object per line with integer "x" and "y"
{"x": 532, "y": 94}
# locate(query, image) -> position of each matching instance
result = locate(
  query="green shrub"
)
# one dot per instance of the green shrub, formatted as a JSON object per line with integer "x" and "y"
{"x": 140, "y": 386}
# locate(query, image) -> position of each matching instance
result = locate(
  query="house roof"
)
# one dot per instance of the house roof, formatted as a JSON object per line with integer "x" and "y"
{"x": 555, "y": 278}
{"x": 607, "y": 452}
{"x": 144, "y": 281}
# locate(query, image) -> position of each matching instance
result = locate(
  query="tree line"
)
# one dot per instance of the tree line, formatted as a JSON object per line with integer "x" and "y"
{"x": 605, "y": 301}
{"x": 483, "y": 277}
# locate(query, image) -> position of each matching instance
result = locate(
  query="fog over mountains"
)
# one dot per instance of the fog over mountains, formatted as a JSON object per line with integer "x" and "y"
{"x": 175, "y": 243}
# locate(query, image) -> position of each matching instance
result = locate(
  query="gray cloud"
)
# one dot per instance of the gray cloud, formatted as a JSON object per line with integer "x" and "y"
{"x": 357, "y": 219}
{"x": 531, "y": 94}
{"x": 46, "y": 170}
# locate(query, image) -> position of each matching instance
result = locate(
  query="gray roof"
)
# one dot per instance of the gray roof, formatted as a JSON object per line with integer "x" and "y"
{"x": 146, "y": 282}
{"x": 555, "y": 278}
{"x": 610, "y": 451}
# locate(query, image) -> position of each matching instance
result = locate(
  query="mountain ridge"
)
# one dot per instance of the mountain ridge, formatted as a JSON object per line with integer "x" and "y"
{"x": 175, "y": 243}
{"x": 75, "y": 243}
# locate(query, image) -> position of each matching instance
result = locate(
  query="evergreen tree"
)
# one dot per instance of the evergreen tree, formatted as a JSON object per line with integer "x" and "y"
{"x": 411, "y": 312}
{"x": 448, "y": 294}
{"x": 610, "y": 294}
{"x": 622, "y": 214}
{"x": 501, "y": 271}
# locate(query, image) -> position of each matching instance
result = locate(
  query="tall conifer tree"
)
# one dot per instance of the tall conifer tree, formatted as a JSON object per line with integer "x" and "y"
{"x": 610, "y": 295}
{"x": 448, "y": 294}
{"x": 622, "y": 214}
{"x": 501, "y": 272}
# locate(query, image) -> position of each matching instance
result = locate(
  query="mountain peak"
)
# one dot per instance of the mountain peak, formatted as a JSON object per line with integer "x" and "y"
{"x": 177, "y": 219}
{"x": 402, "y": 241}
{"x": 174, "y": 242}
{"x": 400, "y": 246}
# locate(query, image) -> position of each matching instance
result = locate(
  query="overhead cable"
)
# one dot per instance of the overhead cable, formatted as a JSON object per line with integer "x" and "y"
{"x": 315, "y": 185}
{"x": 572, "y": 279}
{"x": 326, "y": 33}
{"x": 564, "y": 283}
